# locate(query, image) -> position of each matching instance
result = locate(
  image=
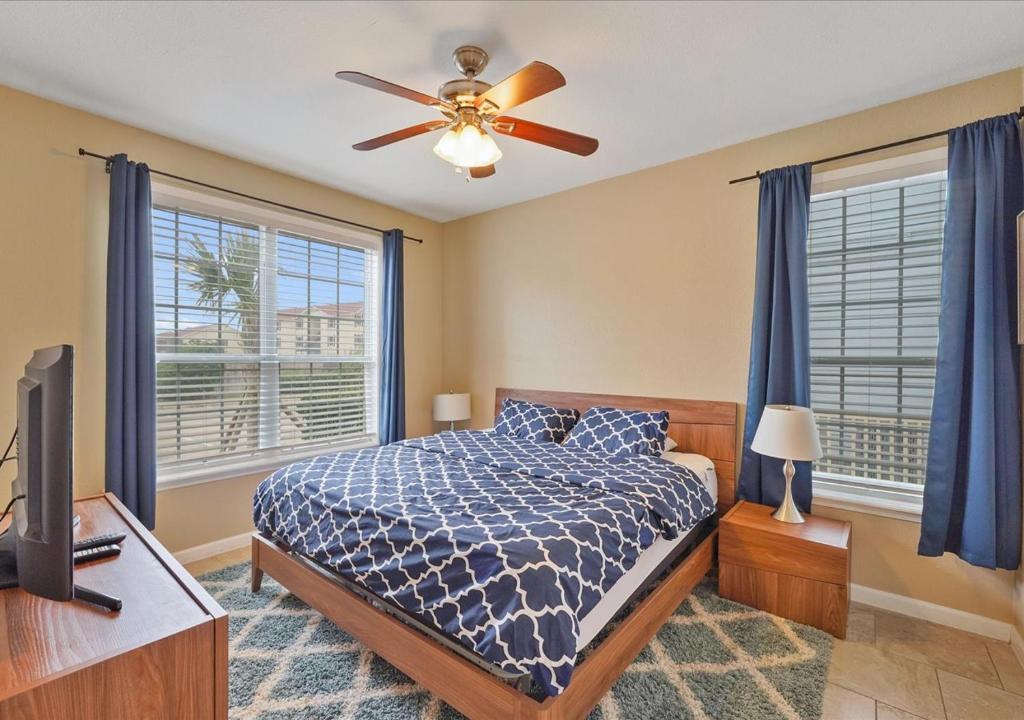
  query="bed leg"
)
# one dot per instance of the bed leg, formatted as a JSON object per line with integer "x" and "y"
{"x": 257, "y": 572}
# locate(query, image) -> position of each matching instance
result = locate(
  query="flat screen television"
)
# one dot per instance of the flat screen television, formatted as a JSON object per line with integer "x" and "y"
{"x": 36, "y": 551}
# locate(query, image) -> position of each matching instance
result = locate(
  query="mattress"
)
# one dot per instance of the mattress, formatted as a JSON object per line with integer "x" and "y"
{"x": 636, "y": 577}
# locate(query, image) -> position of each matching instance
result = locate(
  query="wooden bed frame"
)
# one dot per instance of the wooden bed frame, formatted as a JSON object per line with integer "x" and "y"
{"x": 699, "y": 426}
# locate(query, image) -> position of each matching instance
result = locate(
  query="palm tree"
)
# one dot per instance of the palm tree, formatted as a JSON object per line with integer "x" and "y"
{"x": 229, "y": 281}
{"x": 231, "y": 272}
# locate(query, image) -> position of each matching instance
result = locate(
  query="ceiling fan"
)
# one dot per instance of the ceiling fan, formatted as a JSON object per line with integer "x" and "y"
{"x": 470, "y": 106}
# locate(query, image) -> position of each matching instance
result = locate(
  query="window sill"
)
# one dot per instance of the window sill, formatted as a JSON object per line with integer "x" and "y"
{"x": 898, "y": 505}
{"x": 262, "y": 464}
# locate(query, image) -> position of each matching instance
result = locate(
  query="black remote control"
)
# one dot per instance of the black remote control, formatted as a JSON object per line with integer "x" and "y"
{"x": 96, "y": 553}
{"x": 98, "y": 540}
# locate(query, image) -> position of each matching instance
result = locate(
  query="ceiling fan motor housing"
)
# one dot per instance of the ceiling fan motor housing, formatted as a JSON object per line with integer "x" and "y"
{"x": 470, "y": 61}
{"x": 463, "y": 91}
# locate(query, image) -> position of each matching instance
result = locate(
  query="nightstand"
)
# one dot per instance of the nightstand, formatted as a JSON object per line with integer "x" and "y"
{"x": 800, "y": 572}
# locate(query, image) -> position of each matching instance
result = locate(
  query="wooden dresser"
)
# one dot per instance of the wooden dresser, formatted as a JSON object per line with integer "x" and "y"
{"x": 800, "y": 572}
{"x": 165, "y": 655}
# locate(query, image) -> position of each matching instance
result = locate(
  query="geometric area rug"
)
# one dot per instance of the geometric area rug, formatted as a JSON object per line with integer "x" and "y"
{"x": 713, "y": 660}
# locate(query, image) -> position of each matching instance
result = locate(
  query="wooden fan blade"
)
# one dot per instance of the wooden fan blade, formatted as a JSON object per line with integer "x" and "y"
{"x": 481, "y": 172}
{"x": 384, "y": 86}
{"x": 403, "y": 134}
{"x": 532, "y": 81}
{"x": 552, "y": 137}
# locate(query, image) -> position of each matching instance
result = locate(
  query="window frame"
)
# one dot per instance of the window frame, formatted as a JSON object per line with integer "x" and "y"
{"x": 211, "y": 470}
{"x": 860, "y": 494}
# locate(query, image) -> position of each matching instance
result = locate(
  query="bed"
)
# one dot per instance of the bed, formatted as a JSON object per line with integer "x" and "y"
{"x": 415, "y": 549}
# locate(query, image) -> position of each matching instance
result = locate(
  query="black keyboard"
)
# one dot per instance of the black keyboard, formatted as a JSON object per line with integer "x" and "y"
{"x": 98, "y": 540}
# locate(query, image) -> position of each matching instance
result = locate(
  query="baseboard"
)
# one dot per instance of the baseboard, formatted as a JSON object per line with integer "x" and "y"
{"x": 201, "y": 552}
{"x": 940, "y": 614}
{"x": 1017, "y": 643}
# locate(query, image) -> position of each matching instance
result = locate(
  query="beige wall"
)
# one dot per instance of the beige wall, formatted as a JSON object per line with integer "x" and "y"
{"x": 53, "y": 208}
{"x": 643, "y": 284}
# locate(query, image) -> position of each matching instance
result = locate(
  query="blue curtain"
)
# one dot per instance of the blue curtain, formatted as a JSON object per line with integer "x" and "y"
{"x": 131, "y": 360}
{"x": 780, "y": 333}
{"x": 392, "y": 360}
{"x": 972, "y": 492}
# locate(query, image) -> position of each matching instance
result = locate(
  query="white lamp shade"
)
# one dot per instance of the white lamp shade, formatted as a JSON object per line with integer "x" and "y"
{"x": 789, "y": 432}
{"x": 451, "y": 407}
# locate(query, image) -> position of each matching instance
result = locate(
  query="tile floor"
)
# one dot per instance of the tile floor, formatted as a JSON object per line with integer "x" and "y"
{"x": 890, "y": 667}
{"x": 894, "y": 667}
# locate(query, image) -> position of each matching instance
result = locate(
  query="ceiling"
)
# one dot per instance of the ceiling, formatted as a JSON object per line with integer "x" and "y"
{"x": 653, "y": 81}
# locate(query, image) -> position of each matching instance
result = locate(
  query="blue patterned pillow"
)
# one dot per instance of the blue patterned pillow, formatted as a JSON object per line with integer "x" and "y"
{"x": 620, "y": 432}
{"x": 532, "y": 421}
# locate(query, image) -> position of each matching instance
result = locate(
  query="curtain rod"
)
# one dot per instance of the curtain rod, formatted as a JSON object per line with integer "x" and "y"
{"x": 876, "y": 148}
{"x": 109, "y": 159}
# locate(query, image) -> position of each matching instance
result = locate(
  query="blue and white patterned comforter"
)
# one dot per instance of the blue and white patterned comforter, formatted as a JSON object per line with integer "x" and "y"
{"x": 501, "y": 543}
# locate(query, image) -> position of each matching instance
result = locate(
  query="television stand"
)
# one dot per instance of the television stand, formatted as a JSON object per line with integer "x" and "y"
{"x": 9, "y": 576}
{"x": 163, "y": 657}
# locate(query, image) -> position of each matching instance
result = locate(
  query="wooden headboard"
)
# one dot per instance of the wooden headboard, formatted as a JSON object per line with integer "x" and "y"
{"x": 706, "y": 427}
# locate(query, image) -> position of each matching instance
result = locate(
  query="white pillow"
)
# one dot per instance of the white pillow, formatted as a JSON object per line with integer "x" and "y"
{"x": 670, "y": 444}
{"x": 701, "y": 465}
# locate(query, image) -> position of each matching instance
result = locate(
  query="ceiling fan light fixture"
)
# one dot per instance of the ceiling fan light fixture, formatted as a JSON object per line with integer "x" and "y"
{"x": 468, "y": 146}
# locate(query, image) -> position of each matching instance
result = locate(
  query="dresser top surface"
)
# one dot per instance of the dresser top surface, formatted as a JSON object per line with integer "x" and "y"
{"x": 41, "y": 639}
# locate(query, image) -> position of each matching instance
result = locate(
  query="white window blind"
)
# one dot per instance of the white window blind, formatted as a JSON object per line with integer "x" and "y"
{"x": 266, "y": 339}
{"x": 874, "y": 265}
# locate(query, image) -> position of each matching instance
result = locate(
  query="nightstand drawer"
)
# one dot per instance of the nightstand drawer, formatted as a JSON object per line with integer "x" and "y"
{"x": 769, "y": 551}
{"x": 822, "y": 605}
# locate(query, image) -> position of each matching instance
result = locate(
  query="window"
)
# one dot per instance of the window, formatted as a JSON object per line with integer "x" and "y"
{"x": 874, "y": 266}
{"x": 243, "y": 376}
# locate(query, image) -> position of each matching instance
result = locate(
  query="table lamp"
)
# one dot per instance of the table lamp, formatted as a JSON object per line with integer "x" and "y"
{"x": 451, "y": 408}
{"x": 787, "y": 432}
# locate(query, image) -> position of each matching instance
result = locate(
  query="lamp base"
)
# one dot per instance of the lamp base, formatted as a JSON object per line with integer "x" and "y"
{"x": 788, "y": 512}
